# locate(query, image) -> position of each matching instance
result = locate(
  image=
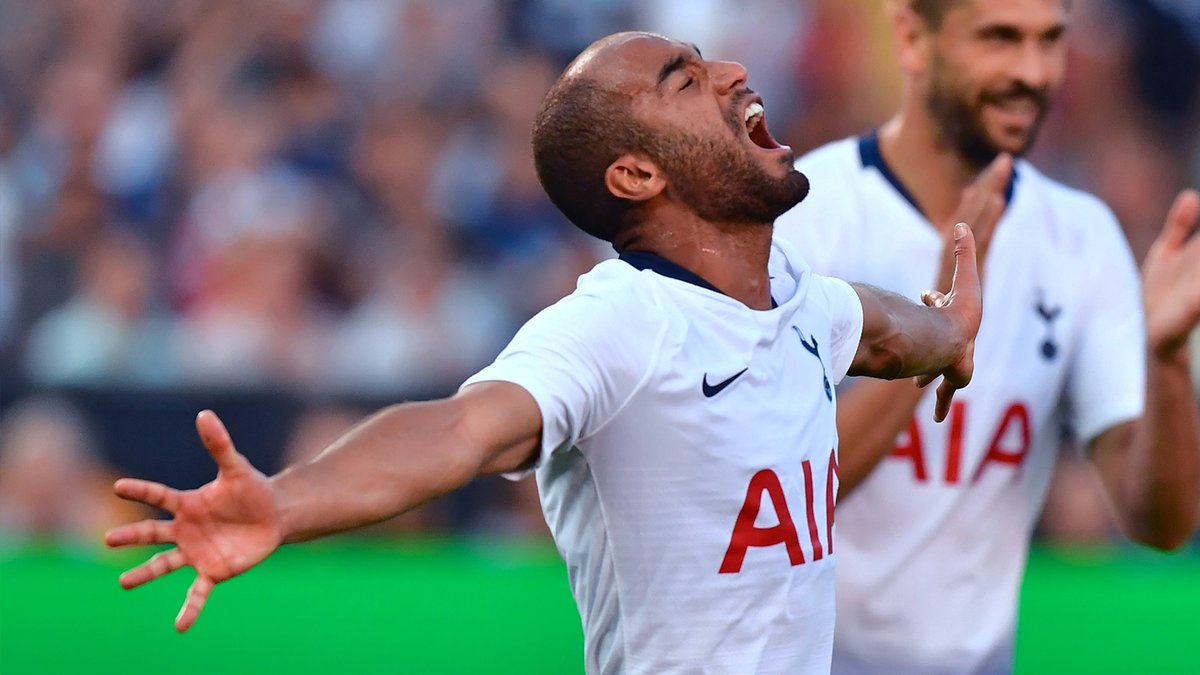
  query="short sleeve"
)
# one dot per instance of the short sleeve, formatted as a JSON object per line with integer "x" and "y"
{"x": 581, "y": 360}
{"x": 1107, "y": 384}
{"x": 846, "y": 322}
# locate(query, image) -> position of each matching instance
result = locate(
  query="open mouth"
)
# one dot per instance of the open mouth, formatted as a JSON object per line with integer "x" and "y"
{"x": 755, "y": 120}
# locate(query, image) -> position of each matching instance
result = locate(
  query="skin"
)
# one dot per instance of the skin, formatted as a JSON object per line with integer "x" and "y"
{"x": 1150, "y": 467}
{"x": 405, "y": 455}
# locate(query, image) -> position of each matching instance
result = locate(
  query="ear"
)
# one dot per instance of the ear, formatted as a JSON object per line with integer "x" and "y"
{"x": 911, "y": 36}
{"x": 634, "y": 177}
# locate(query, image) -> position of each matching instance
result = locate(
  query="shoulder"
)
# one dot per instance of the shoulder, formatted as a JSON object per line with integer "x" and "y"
{"x": 1062, "y": 197}
{"x": 612, "y": 296}
{"x": 841, "y": 156}
{"x": 831, "y": 171}
{"x": 1079, "y": 219}
{"x": 819, "y": 224}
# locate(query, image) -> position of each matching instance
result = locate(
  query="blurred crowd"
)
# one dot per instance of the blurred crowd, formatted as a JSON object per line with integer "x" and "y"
{"x": 337, "y": 197}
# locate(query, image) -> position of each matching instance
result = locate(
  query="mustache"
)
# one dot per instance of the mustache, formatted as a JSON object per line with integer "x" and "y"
{"x": 732, "y": 116}
{"x": 1039, "y": 95}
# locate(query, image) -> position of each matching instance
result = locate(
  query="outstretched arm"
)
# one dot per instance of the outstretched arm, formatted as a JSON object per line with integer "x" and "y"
{"x": 393, "y": 461}
{"x": 1151, "y": 467}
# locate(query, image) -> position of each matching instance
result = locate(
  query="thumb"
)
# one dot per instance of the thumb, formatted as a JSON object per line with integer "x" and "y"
{"x": 1181, "y": 218}
{"x": 216, "y": 439}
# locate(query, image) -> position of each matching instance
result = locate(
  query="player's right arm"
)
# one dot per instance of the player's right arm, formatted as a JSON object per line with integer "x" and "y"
{"x": 395, "y": 460}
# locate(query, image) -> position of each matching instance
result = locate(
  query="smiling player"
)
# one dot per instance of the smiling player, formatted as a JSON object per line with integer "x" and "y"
{"x": 933, "y": 542}
{"x": 677, "y": 406}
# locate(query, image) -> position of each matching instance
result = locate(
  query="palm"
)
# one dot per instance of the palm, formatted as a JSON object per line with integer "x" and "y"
{"x": 1171, "y": 277}
{"x": 221, "y": 529}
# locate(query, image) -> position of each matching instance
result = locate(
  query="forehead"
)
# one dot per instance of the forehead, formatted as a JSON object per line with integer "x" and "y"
{"x": 1024, "y": 13}
{"x": 630, "y": 61}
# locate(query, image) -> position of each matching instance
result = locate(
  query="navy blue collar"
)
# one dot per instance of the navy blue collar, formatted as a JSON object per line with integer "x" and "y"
{"x": 645, "y": 260}
{"x": 868, "y": 151}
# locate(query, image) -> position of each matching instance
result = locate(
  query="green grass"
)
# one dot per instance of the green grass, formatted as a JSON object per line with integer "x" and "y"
{"x": 358, "y": 606}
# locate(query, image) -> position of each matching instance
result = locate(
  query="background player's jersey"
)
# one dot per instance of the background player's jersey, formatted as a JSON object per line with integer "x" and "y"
{"x": 932, "y": 545}
{"x": 686, "y": 468}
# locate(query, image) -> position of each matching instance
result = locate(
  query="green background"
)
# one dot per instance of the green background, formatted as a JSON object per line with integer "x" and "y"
{"x": 363, "y": 606}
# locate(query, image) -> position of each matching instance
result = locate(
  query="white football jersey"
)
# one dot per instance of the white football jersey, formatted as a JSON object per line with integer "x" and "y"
{"x": 687, "y": 466}
{"x": 932, "y": 545}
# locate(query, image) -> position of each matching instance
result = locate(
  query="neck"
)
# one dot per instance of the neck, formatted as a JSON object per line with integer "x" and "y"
{"x": 731, "y": 257}
{"x": 933, "y": 172}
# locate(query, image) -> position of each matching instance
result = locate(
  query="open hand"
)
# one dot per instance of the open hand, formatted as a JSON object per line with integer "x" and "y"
{"x": 220, "y": 529}
{"x": 981, "y": 206}
{"x": 964, "y": 305}
{"x": 1171, "y": 278}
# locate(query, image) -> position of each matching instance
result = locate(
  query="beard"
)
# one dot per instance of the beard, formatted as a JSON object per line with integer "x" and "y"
{"x": 720, "y": 181}
{"x": 960, "y": 118}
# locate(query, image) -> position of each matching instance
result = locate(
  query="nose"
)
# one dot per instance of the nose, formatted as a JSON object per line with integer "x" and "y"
{"x": 1032, "y": 66}
{"x": 727, "y": 76}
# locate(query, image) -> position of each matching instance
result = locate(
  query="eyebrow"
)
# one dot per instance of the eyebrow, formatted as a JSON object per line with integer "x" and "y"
{"x": 676, "y": 62}
{"x": 669, "y": 67}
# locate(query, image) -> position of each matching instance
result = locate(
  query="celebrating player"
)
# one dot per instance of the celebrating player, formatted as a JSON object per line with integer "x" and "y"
{"x": 678, "y": 393}
{"x": 933, "y": 542}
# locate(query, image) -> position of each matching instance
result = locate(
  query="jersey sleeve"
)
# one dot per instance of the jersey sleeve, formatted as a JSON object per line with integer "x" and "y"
{"x": 1107, "y": 382}
{"x": 846, "y": 317}
{"x": 581, "y": 360}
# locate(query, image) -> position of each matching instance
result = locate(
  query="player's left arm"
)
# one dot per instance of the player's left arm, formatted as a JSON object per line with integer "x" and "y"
{"x": 1151, "y": 466}
{"x": 904, "y": 339}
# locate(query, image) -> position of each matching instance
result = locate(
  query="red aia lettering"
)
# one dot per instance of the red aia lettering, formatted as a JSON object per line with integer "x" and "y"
{"x": 745, "y": 534}
{"x": 818, "y": 552}
{"x": 910, "y": 448}
{"x": 958, "y": 413}
{"x": 1016, "y": 414}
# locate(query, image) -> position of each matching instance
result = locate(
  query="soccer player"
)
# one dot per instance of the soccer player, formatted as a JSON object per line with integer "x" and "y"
{"x": 935, "y": 520}
{"x": 678, "y": 406}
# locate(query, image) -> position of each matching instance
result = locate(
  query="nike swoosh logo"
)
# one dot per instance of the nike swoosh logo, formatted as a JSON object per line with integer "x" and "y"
{"x": 711, "y": 390}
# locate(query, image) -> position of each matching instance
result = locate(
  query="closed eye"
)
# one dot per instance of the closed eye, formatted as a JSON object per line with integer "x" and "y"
{"x": 690, "y": 82}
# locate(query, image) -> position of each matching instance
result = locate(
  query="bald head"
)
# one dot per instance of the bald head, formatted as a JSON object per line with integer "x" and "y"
{"x": 584, "y": 124}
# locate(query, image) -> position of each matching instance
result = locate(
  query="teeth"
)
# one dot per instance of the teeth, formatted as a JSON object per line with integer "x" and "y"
{"x": 753, "y": 110}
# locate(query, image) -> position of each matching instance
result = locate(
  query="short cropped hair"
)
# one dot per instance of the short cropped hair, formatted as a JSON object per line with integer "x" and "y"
{"x": 932, "y": 11}
{"x": 581, "y": 128}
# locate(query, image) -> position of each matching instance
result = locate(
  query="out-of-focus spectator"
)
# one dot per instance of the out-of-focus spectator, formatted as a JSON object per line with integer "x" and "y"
{"x": 53, "y": 483}
{"x": 10, "y": 218}
{"x": 423, "y": 325}
{"x": 109, "y": 331}
{"x": 244, "y": 261}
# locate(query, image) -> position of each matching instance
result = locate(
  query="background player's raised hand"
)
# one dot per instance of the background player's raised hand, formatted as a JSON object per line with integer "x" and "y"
{"x": 964, "y": 304}
{"x": 981, "y": 206}
{"x": 1171, "y": 278}
{"x": 220, "y": 529}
